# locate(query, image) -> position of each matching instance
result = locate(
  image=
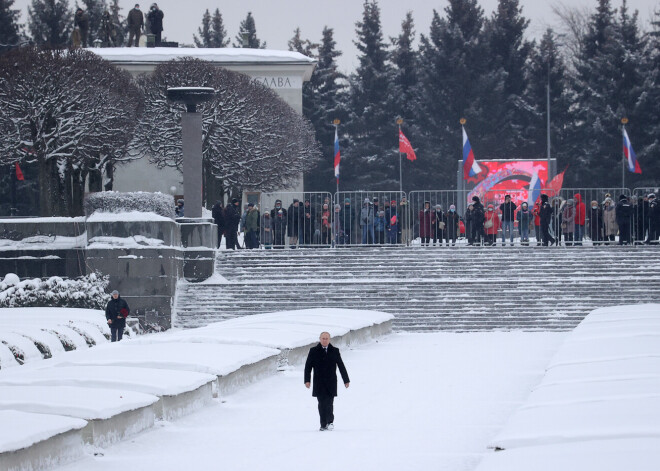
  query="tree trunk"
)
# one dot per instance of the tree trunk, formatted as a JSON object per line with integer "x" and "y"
{"x": 109, "y": 176}
{"x": 65, "y": 192}
{"x": 78, "y": 194}
{"x": 95, "y": 181}
{"x": 47, "y": 182}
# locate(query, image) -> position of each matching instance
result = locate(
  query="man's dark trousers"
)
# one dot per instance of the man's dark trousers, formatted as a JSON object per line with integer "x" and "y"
{"x": 326, "y": 412}
{"x": 116, "y": 333}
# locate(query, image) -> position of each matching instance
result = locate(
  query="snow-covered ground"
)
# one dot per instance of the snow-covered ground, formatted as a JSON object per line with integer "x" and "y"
{"x": 416, "y": 401}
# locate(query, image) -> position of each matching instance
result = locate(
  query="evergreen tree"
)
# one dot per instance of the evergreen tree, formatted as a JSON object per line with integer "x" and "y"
{"x": 547, "y": 69}
{"x": 218, "y": 33}
{"x": 453, "y": 85}
{"x": 303, "y": 46}
{"x": 204, "y": 31}
{"x": 9, "y": 30}
{"x": 50, "y": 22}
{"x": 119, "y": 23}
{"x": 372, "y": 160}
{"x": 212, "y": 33}
{"x": 322, "y": 105}
{"x": 247, "y": 34}
{"x": 609, "y": 85}
{"x": 508, "y": 52}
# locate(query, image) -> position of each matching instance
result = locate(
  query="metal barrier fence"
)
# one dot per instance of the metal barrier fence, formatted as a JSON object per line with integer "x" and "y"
{"x": 371, "y": 218}
{"x": 294, "y": 219}
{"x": 434, "y": 217}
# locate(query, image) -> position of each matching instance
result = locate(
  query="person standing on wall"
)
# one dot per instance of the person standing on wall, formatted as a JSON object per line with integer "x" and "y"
{"x": 324, "y": 359}
{"x": 135, "y": 22}
{"x": 155, "y": 20}
{"x": 116, "y": 312}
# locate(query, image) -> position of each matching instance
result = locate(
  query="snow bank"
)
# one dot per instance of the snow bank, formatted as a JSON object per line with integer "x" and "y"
{"x": 598, "y": 406}
{"x": 145, "y": 380}
{"x": 209, "y": 358}
{"x": 28, "y": 428}
{"x": 126, "y": 216}
{"x": 141, "y": 54}
{"x": 282, "y": 330}
{"x": 83, "y": 403}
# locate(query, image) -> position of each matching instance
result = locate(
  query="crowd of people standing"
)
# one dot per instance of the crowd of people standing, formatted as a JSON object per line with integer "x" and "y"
{"x": 312, "y": 222}
{"x": 137, "y": 24}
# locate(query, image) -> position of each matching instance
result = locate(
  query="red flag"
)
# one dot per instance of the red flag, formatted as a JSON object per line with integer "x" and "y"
{"x": 19, "y": 173}
{"x": 405, "y": 147}
{"x": 554, "y": 186}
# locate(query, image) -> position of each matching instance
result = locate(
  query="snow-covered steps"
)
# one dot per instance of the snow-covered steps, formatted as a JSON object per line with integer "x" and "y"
{"x": 111, "y": 392}
{"x": 428, "y": 288}
{"x": 598, "y": 405}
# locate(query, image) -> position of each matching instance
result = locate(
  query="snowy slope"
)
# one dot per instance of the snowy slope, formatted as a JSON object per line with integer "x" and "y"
{"x": 28, "y": 428}
{"x": 598, "y": 406}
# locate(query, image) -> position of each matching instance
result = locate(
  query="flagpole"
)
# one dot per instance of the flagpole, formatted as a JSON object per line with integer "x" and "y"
{"x": 336, "y": 124}
{"x": 399, "y": 121}
{"x": 624, "y": 121}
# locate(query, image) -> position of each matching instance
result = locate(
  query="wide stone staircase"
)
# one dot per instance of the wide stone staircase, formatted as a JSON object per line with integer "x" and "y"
{"x": 429, "y": 288}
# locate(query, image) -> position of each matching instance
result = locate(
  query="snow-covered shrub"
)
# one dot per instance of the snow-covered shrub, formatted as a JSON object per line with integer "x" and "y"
{"x": 142, "y": 201}
{"x": 84, "y": 292}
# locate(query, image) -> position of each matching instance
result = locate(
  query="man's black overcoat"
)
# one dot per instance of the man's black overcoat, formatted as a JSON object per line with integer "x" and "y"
{"x": 325, "y": 370}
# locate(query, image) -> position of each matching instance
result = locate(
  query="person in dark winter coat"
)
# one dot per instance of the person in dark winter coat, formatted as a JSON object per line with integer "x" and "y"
{"x": 135, "y": 22}
{"x": 266, "y": 231}
{"x": 232, "y": 219}
{"x": 624, "y": 212}
{"x": 453, "y": 221}
{"x": 546, "y": 217}
{"x": 438, "y": 225}
{"x": 468, "y": 219}
{"x": 478, "y": 218}
{"x": 347, "y": 219}
{"x": 278, "y": 220}
{"x": 595, "y": 224}
{"x": 81, "y": 21}
{"x": 294, "y": 221}
{"x": 557, "y": 218}
{"x": 116, "y": 312}
{"x": 508, "y": 209}
{"x": 640, "y": 219}
{"x": 524, "y": 218}
{"x": 107, "y": 31}
{"x": 218, "y": 213}
{"x": 308, "y": 224}
{"x": 155, "y": 19}
{"x": 180, "y": 209}
{"x": 324, "y": 359}
{"x": 251, "y": 228}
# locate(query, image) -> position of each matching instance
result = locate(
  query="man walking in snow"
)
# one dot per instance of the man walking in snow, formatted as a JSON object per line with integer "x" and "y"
{"x": 116, "y": 313}
{"x": 324, "y": 359}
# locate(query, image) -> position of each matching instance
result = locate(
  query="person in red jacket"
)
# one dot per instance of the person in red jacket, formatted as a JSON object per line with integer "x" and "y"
{"x": 491, "y": 225}
{"x": 537, "y": 221}
{"x": 580, "y": 215}
{"x": 426, "y": 222}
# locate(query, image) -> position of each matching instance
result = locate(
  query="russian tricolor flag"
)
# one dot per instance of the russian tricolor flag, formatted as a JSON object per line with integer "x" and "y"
{"x": 470, "y": 165}
{"x": 534, "y": 190}
{"x": 630, "y": 155}
{"x": 337, "y": 155}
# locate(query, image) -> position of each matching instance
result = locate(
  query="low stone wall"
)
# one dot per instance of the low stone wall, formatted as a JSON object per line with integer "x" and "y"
{"x": 144, "y": 259}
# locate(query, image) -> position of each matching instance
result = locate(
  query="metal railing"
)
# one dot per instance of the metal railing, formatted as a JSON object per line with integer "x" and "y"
{"x": 294, "y": 219}
{"x": 434, "y": 217}
{"x": 371, "y": 218}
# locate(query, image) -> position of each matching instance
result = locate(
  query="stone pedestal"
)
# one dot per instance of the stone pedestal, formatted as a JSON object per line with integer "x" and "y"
{"x": 191, "y": 124}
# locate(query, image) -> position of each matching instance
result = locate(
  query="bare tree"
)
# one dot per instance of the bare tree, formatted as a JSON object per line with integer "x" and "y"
{"x": 574, "y": 24}
{"x": 251, "y": 138}
{"x": 70, "y": 111}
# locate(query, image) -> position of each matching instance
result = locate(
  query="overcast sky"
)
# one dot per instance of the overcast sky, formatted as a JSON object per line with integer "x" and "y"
{"x": 276, "y": 19}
